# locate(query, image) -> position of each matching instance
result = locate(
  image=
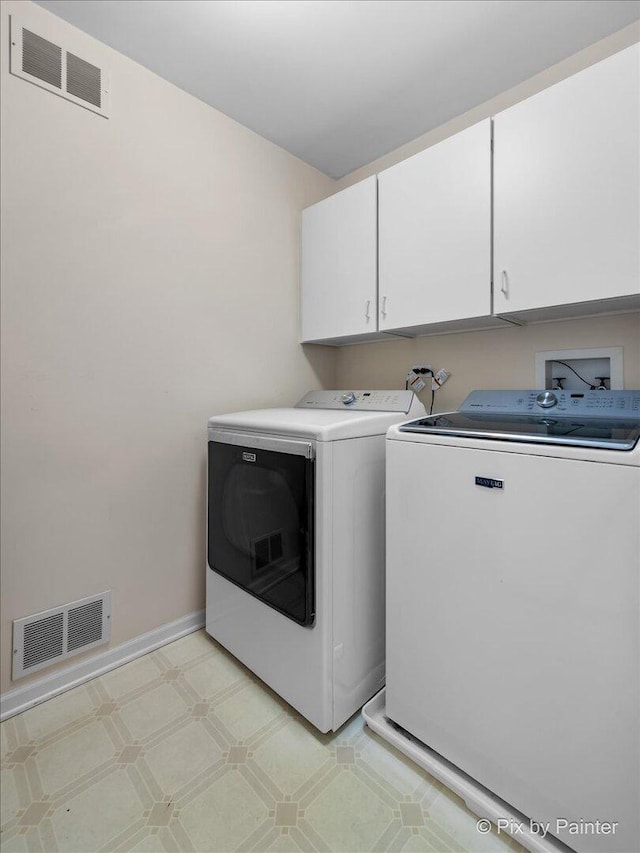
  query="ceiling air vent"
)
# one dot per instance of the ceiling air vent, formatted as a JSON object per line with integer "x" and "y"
{"x": 49, "y": 65}
{"x": 55, "y": 635}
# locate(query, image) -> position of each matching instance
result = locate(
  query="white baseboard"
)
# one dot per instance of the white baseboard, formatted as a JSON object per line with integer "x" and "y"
{"x": 15, "y": 701}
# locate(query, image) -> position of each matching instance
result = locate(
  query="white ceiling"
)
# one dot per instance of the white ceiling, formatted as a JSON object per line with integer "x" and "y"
{"x": 341, "y": 82}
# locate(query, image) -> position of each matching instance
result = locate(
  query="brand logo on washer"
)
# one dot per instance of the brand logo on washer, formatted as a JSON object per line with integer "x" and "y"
{"x": 249, "y": 457}
{"x": 488, "y": 483}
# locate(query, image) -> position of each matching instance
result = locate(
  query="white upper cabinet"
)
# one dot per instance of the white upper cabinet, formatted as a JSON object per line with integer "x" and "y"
{"x": 567, "y": 192}
{"x": 410, "y": 252}
{"x": 339, "y": 265}
{"x": 435, "y": 234}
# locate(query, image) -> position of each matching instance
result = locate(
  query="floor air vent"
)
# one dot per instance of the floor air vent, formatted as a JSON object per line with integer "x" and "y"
{"x": 54, "y": 635}
{"x": 48, "y": 65}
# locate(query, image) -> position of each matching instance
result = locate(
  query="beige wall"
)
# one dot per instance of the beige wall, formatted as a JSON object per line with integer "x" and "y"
{"x": 149, "y": 280}
{"x": 503, "y": 358}
{"x": 491, "y": 359}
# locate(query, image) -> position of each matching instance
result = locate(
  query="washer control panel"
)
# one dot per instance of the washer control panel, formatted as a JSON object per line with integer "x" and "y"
{"x": 546, "y": 399}
{"x": 587, "y": 404}
{"x": 361, "y": 401}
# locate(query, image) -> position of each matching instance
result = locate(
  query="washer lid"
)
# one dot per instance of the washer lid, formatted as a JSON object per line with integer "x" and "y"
{"x": 609, "y": 434}
{"x": 605, "y": 419}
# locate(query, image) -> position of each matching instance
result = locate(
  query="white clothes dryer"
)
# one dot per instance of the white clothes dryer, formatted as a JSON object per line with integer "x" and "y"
{"x": 295, "y": 545}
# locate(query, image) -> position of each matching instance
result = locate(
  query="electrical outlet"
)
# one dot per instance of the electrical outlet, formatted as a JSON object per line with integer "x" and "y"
{"x": 441, "y": 376}
{"x": 415, "y": 382}
{"x": 417, "y": 376}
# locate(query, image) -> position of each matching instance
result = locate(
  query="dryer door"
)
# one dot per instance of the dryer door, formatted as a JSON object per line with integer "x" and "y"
{"x": 260, "y": 519}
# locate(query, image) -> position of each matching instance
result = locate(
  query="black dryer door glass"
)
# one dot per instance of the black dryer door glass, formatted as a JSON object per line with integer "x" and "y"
{"x": 260, "y": 525}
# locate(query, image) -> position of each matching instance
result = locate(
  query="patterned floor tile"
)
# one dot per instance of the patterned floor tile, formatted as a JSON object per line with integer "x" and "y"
{"x": 66, "y": 760}
{"x": 213, "y": 674}
{"x": 183, "y": 755}
{"x": 224, "y": 815}
{"x": 417, "y": 843}
{"x": 184, "y": 750}
{"x": 348, "y": 815}
{"x": 9, "y": 798}
{"x": 148, "y": 844}
{"x": 57, "y": 713}
{"x": 153, "y": 710}
{"x": 249, "y": 710}
{"x": 132, "y": 676}
{"x": 89, "y": 820}
{"x": 291, "y": 756}
{"x": 7, "y": 740}
{"x": 17, "y": 844}
{"x": 282, "y": 843}
{"x": 188, "y": 648}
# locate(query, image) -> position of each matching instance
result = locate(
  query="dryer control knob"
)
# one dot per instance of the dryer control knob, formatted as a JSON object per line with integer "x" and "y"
{"x": 546, "y": 400}
{"x": 348, "y": 398}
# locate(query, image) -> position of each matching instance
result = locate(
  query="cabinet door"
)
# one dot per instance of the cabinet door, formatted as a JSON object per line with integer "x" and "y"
{"x": 567, "y": 190}
{"x": 339, "y": 264}
{"x": 435, "y": 233}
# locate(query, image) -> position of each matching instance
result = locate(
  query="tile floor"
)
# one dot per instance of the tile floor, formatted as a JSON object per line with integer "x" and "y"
{"x": 185, "y": 750}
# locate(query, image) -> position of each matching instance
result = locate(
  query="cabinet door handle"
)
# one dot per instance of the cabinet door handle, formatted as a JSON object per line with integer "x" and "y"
{"x": 383, "y": 308}
{"x": 367, "y": 315}
{"x": 504, "y": 287}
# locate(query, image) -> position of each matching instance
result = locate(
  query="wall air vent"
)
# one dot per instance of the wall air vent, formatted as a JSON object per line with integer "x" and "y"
{"x": 41, "y": 58}
{"x": 83, "y": 80}
{"x": 57, "y": 634}
{"x": 49, "y": 65}
{"x": 43, "y": 640}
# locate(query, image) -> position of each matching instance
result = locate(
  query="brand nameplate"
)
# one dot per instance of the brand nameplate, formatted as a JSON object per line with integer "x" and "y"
{"x": 489, "y": 483}
{"x": 249, "y": 457}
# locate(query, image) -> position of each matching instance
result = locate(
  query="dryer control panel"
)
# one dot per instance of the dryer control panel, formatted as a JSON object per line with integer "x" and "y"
{"x": 588, "y": 404}
{"x": 361, "y": 401}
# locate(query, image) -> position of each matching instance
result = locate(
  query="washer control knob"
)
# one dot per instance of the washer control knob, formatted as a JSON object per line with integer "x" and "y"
{"x": 546, "y": 399}
{"x": 348, "y": 398}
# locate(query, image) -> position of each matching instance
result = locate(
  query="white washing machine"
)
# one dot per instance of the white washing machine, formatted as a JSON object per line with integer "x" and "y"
{"x": 295, "y": 574}
{"x": 513, "y": 621}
